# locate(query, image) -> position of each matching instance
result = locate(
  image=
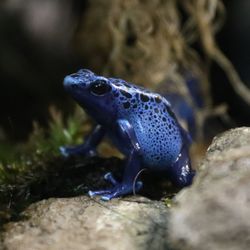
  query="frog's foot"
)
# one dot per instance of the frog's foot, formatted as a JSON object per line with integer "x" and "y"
{"x": 118, "y": 190}
{"x": 67, "y": 151}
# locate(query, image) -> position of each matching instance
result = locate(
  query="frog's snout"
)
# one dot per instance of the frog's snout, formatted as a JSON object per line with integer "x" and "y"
{"x": 70, "y": 83}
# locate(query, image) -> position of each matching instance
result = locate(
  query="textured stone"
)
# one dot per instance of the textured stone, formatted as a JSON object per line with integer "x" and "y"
{"x": 214, "y": 212}
{"x": 85, "y": 223}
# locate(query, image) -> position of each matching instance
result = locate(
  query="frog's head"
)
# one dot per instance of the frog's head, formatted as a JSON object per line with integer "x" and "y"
{"x": 93, "y": 93}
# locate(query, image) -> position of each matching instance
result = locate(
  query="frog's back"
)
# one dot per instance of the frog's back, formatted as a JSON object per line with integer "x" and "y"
{"x": 155, "y": 125}
{"x": 158, "y": 133}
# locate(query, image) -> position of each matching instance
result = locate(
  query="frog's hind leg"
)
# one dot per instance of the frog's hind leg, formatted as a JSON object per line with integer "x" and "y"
{"x": 180, "y": 173}
{"x": 133, "y": 166}
{"x": 127, "y": 185}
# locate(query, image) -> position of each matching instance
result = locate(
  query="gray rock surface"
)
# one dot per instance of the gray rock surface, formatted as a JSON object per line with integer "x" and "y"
{"x": 214, "y": 213}
{"x": 85, "y": 223}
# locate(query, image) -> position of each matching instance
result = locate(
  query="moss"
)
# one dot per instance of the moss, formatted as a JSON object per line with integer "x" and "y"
{"x": 36, "y": 170}
{"x": 168, "y": 202}
{"x": 32, "y": 171}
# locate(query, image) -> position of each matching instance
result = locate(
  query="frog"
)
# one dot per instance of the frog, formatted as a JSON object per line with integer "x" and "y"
{"x": 140, "y": 124}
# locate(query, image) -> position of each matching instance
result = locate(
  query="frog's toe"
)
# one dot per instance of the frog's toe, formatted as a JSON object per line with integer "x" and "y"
{"x": 110, "y": 178}
{"x": 98, "y": 192}
{"x": 116, "y": 193}
{"x": 67, "y": 151}
{"x": 107, "y": 197}
{"x": 64, "y": 152}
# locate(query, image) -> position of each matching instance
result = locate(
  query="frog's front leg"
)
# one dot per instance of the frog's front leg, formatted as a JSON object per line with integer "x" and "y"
{"x": 133, "y": 165}
{"x": 88, "y": 148}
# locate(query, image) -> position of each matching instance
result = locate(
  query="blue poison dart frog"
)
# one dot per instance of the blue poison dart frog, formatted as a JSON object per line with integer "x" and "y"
{"x": 139, "y": 123}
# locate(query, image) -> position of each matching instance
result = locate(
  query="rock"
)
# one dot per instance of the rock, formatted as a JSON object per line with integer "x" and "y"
{"x": 85, "y": 223}
{"x": 214, "y": 212}
{"x": 211, "y": 214}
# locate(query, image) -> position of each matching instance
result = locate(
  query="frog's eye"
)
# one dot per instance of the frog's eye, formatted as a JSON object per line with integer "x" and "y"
{"x": 99, "y": 87}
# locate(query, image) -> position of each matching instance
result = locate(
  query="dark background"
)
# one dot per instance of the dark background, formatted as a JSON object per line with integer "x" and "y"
{"x": 37, "y": 50}
{"x": 234, "y": 40}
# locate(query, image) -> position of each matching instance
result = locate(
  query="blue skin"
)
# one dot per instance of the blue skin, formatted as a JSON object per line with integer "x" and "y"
{"x": 140, "y": 124}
